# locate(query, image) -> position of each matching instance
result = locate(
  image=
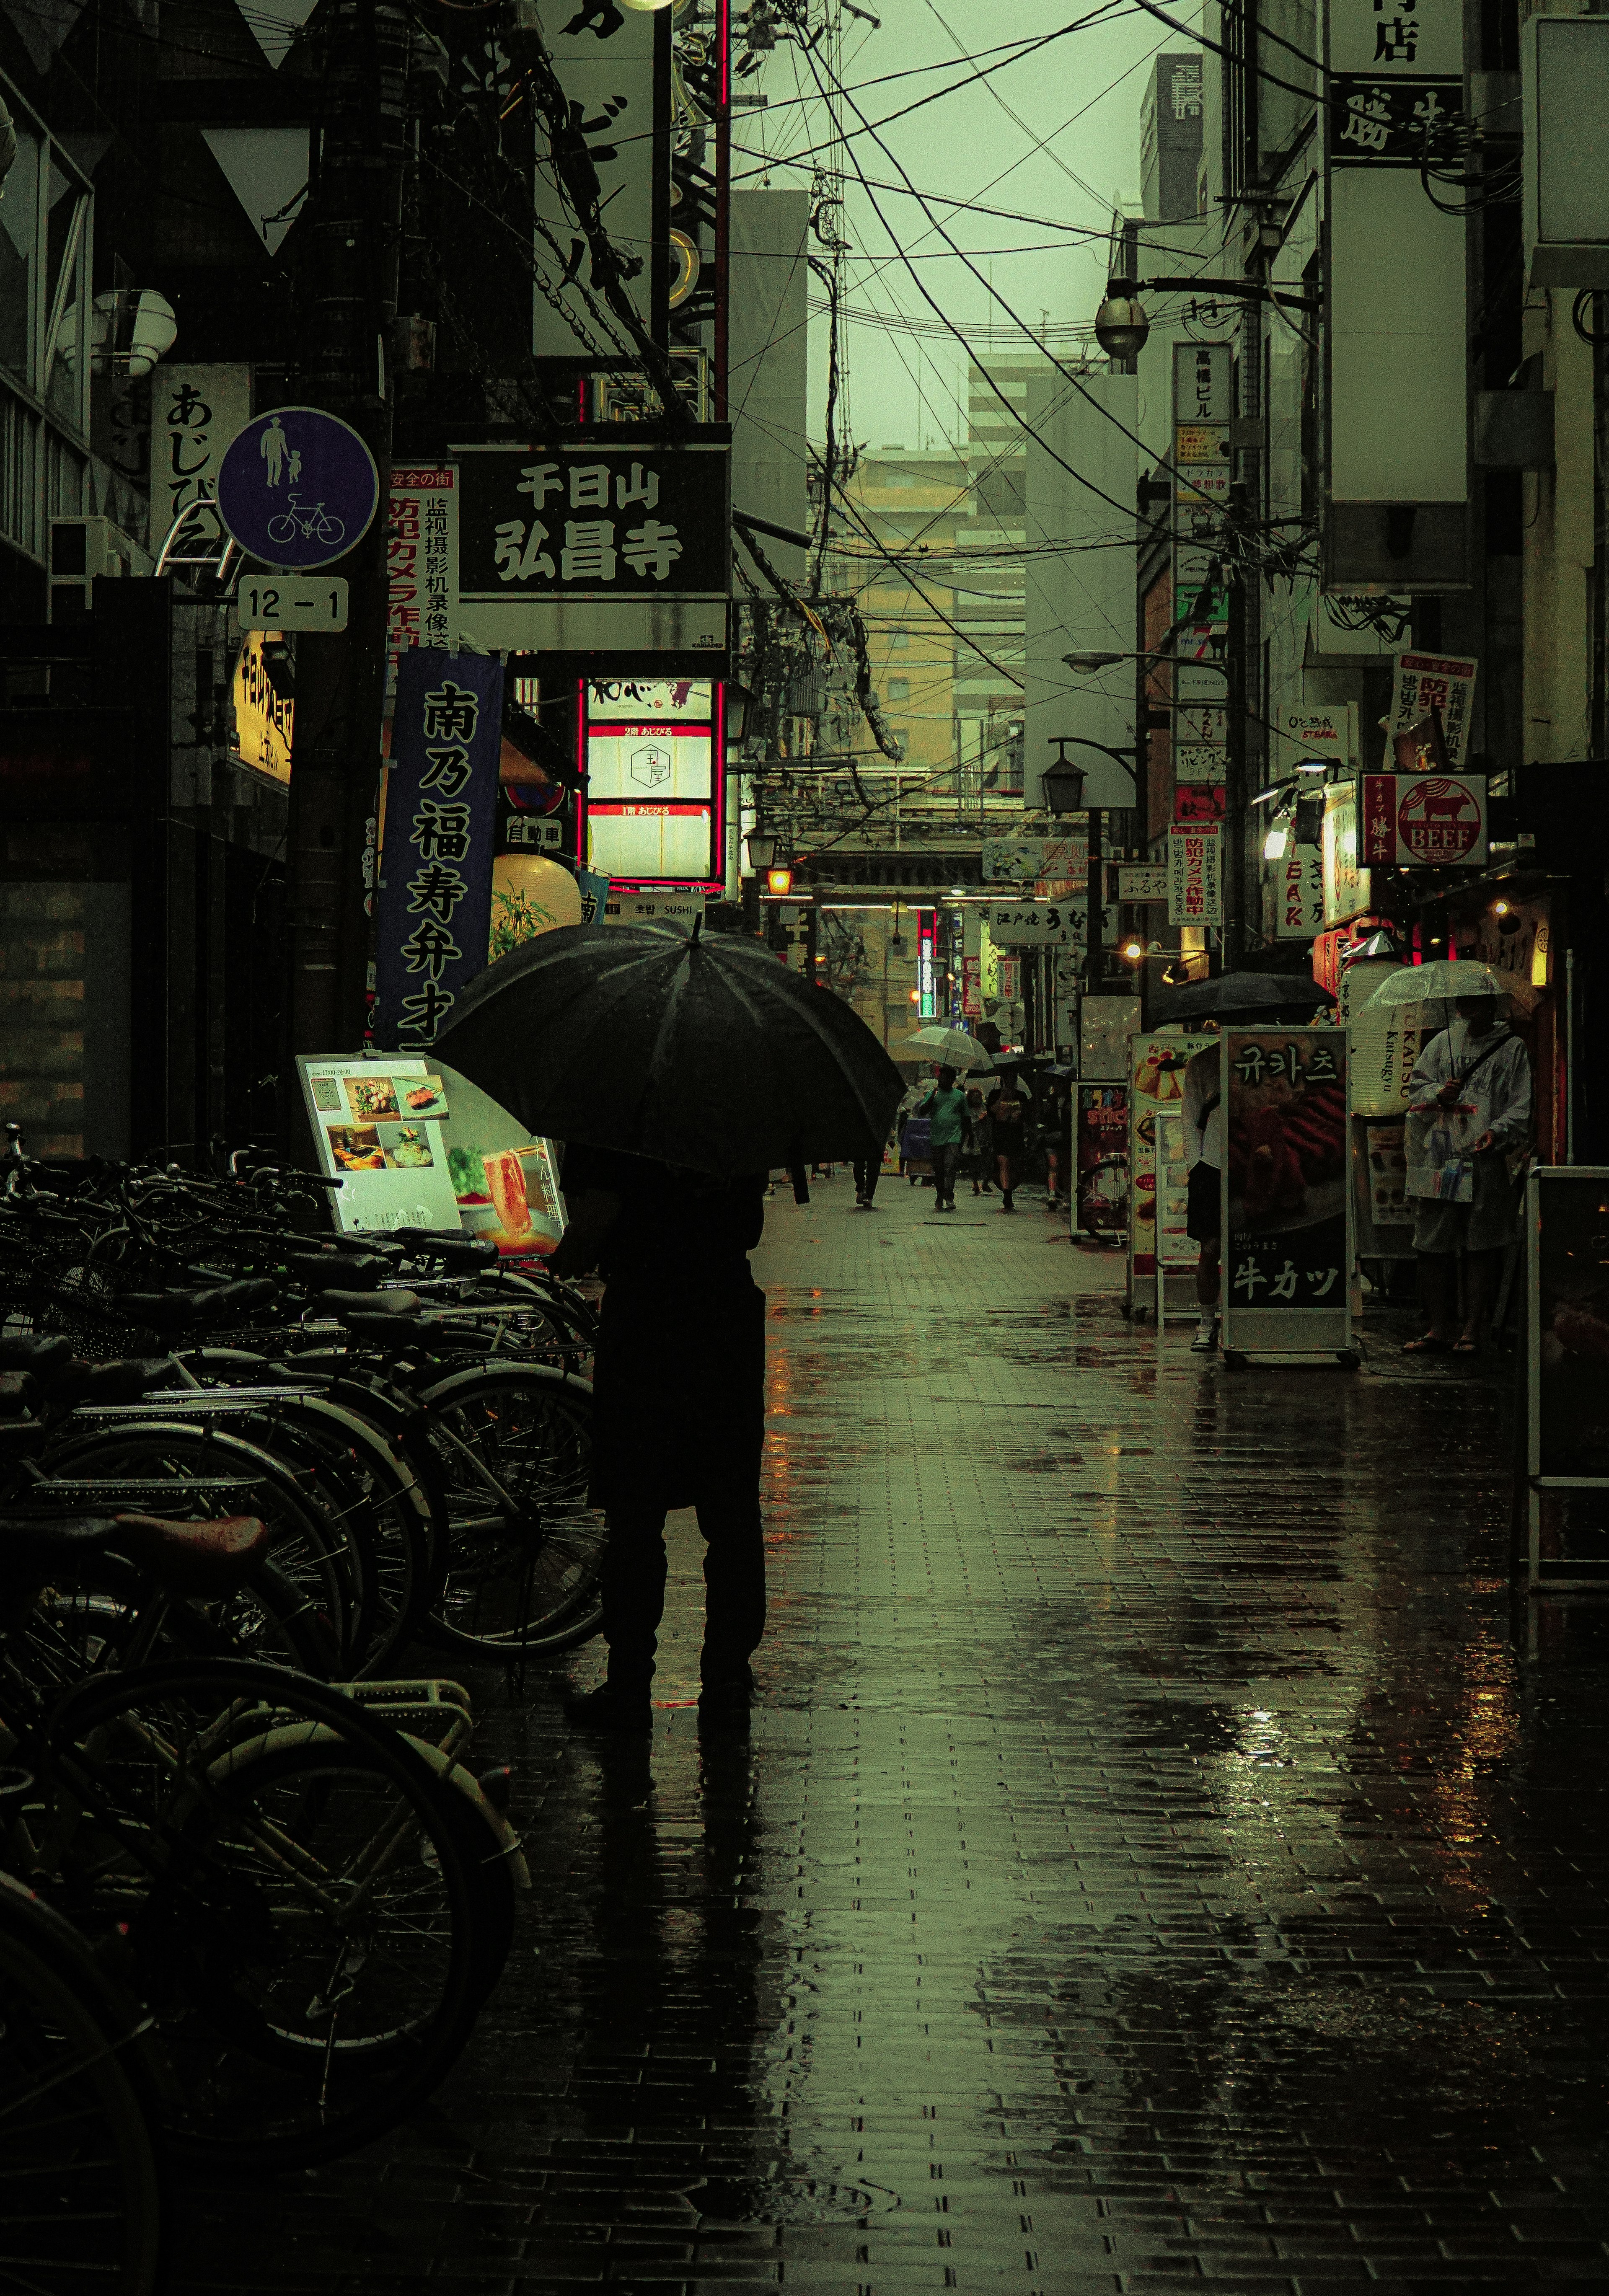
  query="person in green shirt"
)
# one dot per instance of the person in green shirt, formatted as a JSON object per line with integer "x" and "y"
{"x": 946, "y": 1105}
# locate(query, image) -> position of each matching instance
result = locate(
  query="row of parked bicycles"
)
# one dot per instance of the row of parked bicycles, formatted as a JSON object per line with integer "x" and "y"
{"x": 257, "y": 1482}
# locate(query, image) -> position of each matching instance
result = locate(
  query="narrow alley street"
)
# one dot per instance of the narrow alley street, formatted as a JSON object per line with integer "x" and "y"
{"x": 1155, "y": 1858}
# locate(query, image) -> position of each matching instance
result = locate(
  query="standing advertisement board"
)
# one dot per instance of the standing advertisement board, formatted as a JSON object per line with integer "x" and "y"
{"x": 1287, "y": 1204}
{"x": 1157, "y": 1185}
{"x": 1101, "y": 1156}
{"x": 1567, "y": 1353}
{"x": 414, "y": 1144}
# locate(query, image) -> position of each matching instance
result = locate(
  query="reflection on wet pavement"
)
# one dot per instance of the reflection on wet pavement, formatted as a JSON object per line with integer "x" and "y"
{"x": 1156, "y": 1857}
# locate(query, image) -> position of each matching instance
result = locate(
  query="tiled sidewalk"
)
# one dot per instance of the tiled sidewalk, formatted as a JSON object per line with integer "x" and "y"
{"x": 1156, "y": 1858}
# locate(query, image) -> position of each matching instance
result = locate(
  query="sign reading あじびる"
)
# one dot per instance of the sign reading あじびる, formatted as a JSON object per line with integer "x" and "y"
{"x": 441, "y": 836}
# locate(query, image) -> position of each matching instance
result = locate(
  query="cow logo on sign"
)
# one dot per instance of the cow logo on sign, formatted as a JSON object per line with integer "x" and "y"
{"x": 1439, "y": 820}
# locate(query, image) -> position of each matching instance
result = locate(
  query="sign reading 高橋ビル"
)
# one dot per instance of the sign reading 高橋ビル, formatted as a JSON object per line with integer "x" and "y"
{"x": 440, "y": 837}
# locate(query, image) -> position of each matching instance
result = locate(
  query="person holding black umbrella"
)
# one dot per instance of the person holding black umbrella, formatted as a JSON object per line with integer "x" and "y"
{"x": 680, "y": 1072}
{"x": 678, "y": 1405}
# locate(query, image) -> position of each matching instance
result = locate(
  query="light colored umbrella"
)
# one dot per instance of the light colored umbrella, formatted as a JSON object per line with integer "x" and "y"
{"x": 952, "y": 1048}
{"x": 1457, "y": 975}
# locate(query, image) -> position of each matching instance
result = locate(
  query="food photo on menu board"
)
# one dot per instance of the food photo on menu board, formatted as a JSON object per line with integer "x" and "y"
{"x": 414, "y": 1147}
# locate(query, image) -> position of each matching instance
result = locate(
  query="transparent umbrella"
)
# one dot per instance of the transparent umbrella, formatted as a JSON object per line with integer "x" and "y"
{"x": 952, "y": 1048}
{"x": 1457, "y": 975}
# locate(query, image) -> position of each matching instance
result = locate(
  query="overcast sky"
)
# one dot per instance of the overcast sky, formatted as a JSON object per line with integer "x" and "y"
{"x": 1073, "y": 145}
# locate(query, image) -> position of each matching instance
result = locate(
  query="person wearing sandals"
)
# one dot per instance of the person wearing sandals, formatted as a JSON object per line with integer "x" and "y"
{"x": 1477, "y": 1072}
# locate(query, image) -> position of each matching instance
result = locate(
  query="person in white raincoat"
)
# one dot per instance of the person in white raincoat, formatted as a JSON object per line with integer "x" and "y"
{"x": 1469, "y": 1106}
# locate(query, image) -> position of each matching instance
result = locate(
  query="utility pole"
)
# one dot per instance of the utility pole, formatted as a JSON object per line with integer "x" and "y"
{"x": 350, "y": 239}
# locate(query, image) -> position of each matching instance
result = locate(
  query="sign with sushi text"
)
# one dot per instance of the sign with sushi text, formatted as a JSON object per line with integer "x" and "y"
{"x": 441, "y": 836}
{"x": 1423, "y": 821}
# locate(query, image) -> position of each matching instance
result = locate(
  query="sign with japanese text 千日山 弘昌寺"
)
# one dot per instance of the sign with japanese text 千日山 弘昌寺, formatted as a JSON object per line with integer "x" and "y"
{"x": 595, "y": 544}
{"x": 1287, "y": 1197}
{"x": 441, "y": 839}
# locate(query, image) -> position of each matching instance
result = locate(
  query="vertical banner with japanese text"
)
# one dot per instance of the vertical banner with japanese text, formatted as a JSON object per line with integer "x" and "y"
{"x": 422, "y": 557}
{"x": 1286, "y": 1200}
{"x": 195, "y": 411}
{"x": 441, "y": 836}
{"x": 1194, "y": 873}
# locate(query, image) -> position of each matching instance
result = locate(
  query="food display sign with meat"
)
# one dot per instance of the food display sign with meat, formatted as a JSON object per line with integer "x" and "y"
{"x": 1286, "y": 1254}
{"x": 1423, "y": 821}
{"x": 1158, "y": 1182}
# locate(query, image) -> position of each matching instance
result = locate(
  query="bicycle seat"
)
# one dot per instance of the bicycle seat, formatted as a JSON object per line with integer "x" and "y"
{"x": 374, "y": 1304}
{"x": 464, "y": 1250}
{"x": 124, "y": 1379}
{"x": 348, "y": 1271}
{"x": 17, "y": 1392}
{"x": 392, "y": 1334}
{"x": 209, "y": 1304}
{"x": 44, "y": 1352}
{"x": 190, "y": 1558}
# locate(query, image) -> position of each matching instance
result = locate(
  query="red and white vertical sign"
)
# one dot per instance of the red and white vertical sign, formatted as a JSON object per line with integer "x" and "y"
{"x": 1195, "y": 874}
{"x": 421, "y": 559}
{"x": 1427, "y": 682}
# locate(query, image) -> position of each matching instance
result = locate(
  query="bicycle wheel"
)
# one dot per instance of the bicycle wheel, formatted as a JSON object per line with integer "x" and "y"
{"x": 513, "y": 1449}
{"x": 294, "y": 1894}
{"x": 80, "y": 2175}
{"x": 281, "y": 528}
{"x": 317, "y": 1553}
{"x": 113, "y": 1616}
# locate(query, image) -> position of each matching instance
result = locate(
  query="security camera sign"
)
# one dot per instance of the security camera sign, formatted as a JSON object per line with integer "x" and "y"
{"x": 1423, "y": 821}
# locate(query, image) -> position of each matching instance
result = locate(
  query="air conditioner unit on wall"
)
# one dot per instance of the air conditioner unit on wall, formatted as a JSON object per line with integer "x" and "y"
{"x": 1564, "y": 188}
{"x": 80, "y": 548}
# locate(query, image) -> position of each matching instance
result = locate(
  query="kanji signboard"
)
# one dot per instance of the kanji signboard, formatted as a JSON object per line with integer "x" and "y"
{"x": 1195, "y": 886}
{"x": 440, "y": 837}
{"x": 1032, "y": 924}
{"x": 421, "y": 557}
{"x": 1427, "y": 682}
{"x": 595, "y": 541}
{"x": 1419, "y": 821}
{"x": 1287, "y": 1203}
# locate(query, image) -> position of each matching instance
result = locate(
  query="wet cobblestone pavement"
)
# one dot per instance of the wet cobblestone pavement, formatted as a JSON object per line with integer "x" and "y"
{"x": 1157, "y": 1858}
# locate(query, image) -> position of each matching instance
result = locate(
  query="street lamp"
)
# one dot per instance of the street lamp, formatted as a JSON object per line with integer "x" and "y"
{"x": 762, "y": 850}
{"x": 1063, "y": 786}
{"x": 1082, "y": 741}
{"x": 1122, "y": 326}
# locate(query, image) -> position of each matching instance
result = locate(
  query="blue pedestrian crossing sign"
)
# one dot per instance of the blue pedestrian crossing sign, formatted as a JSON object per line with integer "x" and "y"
{"x": 297, "y": 487}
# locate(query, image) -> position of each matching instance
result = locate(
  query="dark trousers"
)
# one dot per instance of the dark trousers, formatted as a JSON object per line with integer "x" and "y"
{"x": 865, "y": 1178}
{"x": 632, "y": 1583}
{"x": 947, "y": 1156}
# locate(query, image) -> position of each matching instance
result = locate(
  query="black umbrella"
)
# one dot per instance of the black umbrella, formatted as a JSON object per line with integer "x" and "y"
{"x": 1244, "y": 996}
{"x": 707, "y": 1054}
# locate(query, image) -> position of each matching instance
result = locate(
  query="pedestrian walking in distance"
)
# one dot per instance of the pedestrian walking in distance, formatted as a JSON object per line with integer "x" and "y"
{"x": 678, "y": 1414}
{"x": 977, "y": 1161}
{"x": 1007, "y": 1117}
{"x": 946, "y": 1109}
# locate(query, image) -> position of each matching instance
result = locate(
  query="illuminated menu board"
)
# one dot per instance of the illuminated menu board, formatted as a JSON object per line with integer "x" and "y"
{"x": 653, "y": 781}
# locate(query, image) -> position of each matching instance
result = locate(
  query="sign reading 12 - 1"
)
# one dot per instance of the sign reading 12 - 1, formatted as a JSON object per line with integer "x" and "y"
{"x": 297, "y": 487}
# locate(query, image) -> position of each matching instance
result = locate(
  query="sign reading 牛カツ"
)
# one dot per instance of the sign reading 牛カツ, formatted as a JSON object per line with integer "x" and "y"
{"x": 440, "y": 838}
{"x": 616, "y": 544}
{"x": 1286, "y": 1204}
